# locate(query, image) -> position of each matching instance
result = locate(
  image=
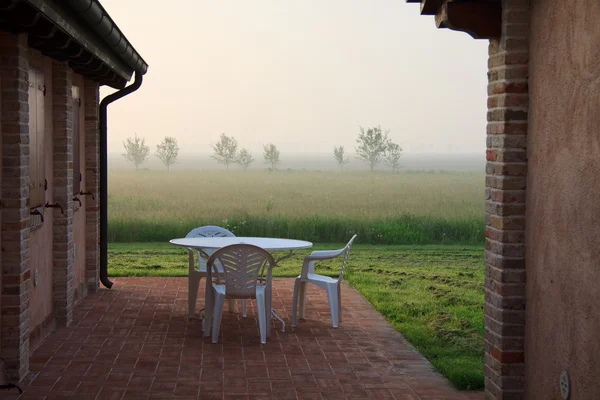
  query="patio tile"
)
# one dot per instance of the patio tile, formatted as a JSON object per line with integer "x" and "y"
{"x": 110, "y": 394}
{"x": 135, "y": 342}
{"x": 87, "y": 390}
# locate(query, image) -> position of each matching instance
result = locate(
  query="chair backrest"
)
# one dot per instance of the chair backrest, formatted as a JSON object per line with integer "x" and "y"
{"x": 242, "y": 265}
{"x": 208, "y": 231}
{"x": 346, "y": 256}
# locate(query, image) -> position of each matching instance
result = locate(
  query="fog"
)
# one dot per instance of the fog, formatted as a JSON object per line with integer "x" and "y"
{"x": 472, "y": 162}
{"x": 303, "y": 75}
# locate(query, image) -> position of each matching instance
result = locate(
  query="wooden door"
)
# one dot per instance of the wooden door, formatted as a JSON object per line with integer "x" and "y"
{"x": 37, "y": 128}
{"x": 77, "y": 176}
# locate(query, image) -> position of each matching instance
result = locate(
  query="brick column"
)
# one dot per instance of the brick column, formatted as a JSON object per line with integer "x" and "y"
{"x": 16, "y": 282}
{"x": 62, "y": 230}
{"x": 506, "y": 183}
{"x": 92, "y": 184}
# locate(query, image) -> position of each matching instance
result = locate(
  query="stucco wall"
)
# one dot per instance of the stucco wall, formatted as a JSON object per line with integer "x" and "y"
{"x": 1, "y": 268}
{"x": 79, "y": 211}
{"x": 40, "y": 242}
{"x": 563, "y": 199}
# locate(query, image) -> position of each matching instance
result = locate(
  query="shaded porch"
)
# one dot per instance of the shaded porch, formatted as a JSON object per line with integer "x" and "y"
{"x": 136, "y": 342}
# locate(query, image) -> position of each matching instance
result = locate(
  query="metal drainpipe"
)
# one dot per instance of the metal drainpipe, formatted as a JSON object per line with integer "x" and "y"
{"x": 104, "y": 174}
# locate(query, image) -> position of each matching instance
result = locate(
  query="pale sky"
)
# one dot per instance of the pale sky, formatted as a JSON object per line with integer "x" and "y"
{"x": 301, "y": 74}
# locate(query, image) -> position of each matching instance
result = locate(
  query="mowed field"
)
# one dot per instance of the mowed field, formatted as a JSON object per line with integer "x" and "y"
{"x": 382, "y": 208}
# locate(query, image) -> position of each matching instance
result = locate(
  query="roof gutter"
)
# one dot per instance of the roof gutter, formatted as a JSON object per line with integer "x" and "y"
{"x": 96, "y": 17}
{"x": 104, "y": 173}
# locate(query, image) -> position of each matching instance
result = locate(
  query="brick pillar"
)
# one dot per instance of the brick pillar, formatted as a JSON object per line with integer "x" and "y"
{"x": 16, "y": 282}
{"x": 62, "y": 230}
{"x": 506, "y": 182}
{"x": 92, "y": 184}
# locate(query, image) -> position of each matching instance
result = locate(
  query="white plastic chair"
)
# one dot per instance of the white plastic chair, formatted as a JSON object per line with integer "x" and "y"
{"x": 331, "y": 285}
{"x": 198, "y": 271}
{"x": 242, "y": 265}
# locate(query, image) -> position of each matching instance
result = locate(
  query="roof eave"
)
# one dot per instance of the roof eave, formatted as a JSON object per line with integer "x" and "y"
{"x": 481, "y": 19}
{"x": 103, "y": 43}
{"x": 98, "y": 19}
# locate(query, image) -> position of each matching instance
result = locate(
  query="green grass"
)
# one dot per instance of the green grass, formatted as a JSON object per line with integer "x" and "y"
{"x": 433, "y": 295}
{"x": 383, "y": 208}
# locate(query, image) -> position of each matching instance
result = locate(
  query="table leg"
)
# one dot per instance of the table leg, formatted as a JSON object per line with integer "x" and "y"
{"x": 277, "y": 317}
{"x": 273, "y": 313}
{"x": 302, "y": 300}
{"x": 208, "y": 307}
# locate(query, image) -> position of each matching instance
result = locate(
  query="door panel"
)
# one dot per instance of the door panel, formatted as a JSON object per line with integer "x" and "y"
{"x": 37, "y": 132}
{"x": 33, "y": 148}
{"x": 76, "y": 141}
{"x": 41, "y": 135}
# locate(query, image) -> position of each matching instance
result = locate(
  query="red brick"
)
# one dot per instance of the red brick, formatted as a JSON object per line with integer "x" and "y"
{"x": 507, "y": 169}
{"x": 508, "y": 357}
{"x": 504, "y": 236}
{"x": 506, "y": 316}
{"x": 15, "y": 209}
{"x": 499, "y": 125}
{"x": 506, "y": 182}
{"x": 507, "y": 141}
{"x": 92, "y": 184}
{"x": 498, "y": 87}
{"x": 505, "y": 196}
{"x": 505, "y": 249}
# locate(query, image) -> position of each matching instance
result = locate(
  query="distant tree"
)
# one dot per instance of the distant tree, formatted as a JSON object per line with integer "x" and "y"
{"x": 340, "y": 157}
{"x": 136, "y": 150}
{"x": 225, "y": 150}
{"x": 167, "y": 151}
{"x": 392, "y": 156}
{"x": 244, "y": 159}
{"x": 271, "y": 155}
{"x": 372, "y": 145}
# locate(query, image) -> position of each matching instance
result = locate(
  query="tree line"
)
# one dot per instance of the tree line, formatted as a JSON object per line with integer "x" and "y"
{"x": 137, "y": 151}
{"x": 225, "y": 152}
{"x": 373, "y": 148}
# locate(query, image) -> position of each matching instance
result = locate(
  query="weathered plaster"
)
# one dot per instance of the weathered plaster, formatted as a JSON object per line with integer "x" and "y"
{"x": 563, "y": 200}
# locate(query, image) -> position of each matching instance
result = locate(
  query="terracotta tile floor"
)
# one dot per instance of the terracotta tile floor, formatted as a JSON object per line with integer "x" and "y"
{"x": 135, "y": 342}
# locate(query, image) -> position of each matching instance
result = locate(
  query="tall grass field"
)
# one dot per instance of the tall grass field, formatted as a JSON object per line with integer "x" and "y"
{"x": 410, "y": 207}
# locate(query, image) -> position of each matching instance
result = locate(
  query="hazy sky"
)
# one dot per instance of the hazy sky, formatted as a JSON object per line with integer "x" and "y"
{"x": 301, "y": 74}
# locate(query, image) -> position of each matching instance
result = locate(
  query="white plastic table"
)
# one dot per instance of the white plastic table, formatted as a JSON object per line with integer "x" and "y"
{"x": 269, "y": 244}
{"x": 214, "y": 243}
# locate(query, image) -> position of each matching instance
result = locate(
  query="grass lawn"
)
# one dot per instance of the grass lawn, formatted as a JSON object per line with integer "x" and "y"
{"x": 433, "y": 295}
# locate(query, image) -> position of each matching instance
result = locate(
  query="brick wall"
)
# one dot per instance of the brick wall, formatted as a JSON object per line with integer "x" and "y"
{"x": 62, "y": 231}
{"x": 506, "y": 182}
{"x": 16, "y": 282}
{"x": 92, "y": 184}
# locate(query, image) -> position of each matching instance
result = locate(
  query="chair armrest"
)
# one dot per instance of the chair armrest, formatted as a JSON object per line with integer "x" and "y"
{"x": 324, "y": 255}
{"x": 201, "y": 253}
